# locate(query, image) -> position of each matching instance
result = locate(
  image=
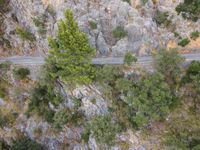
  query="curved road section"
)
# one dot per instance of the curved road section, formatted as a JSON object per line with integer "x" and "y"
{"x": 145, "y": 60}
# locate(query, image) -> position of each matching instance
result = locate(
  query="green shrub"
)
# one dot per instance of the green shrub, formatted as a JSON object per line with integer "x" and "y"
{"x": 129, "y": 59}
{"x": 77, "y": 102}
{"x": 119, "y": 32}
{"x": 146, "y": 102}
{"x": 41, "y": 96}
{"x": 189, "y": 9}
{"x": 195, "y": 35}
{"x": 184, "y": 42}
{"x": 176, "y": 34}
{"x": 51, "y": 10}
{"x": 40, "y": 23}
{"x": 25, "y": 35}
{"x": 21, "y": 73}
{"x": 161, "y": 18}
{"x": 3, "y": 92}
{"x": 60, "y": 119}
{"x": 4, "y": 145}
{"x": 25, "y": 143}
{"x": 93, "y": 25}
{"x": 192, "y": 70}
{"x": 3, "y": 121}
{"x": 102, "y": 129}
{"x": 169, "y": 63}
{"x": 5, "y": 66}
{"x": 128, "y": 1}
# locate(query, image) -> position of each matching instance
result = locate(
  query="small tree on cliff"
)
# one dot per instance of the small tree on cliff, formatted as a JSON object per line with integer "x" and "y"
{"x": 71, "y": 53}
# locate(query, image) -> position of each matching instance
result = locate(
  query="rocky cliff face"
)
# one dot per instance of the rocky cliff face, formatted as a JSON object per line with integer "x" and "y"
{"x": 98, "y": 19}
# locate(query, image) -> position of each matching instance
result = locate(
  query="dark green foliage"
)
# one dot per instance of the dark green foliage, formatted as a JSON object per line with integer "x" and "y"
{"x": 61, "y": 118}
{"x": 169, "y": 63}
{"x": 41, "y": 97}
{"x": 71, "y": 53}
{"x": 189, "y": 9}
{"x": 40, "y": 23}
{"x": 107, "y": 74}
{"x": 184, "y": 42}
{"x": 3, "y": 121}
{"x": 195, "y": 35}
{"x": 184, "y": 141}
{"x": 177, "y": 35}
{"x": 4, "y": 145}
{"x": 192, "y": 70}
{"x": 161, "y": 18}
{"x": 93, "y": 25}
{"x": 129, "y": 59}
{"x": 119, "y": 32}
{"x": 25, "y": 143}
{"x": 5, "y": 66}
{"x": 103, "y": 129}
{"x": 149, "y": 100}
{"x": 25, "y": 35}
{"x": 21, "y": 73}
{"x": 77, "y": 102}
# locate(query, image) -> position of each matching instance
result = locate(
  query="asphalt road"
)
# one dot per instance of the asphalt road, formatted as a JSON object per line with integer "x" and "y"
{"x": 145, "y": 60}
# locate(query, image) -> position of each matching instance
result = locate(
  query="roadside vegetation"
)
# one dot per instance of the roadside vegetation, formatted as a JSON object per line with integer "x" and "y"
{"x": 138, "y": 99}
{"x": 189, "y": 9}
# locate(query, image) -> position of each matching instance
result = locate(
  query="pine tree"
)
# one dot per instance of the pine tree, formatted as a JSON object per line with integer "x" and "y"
{"x": 71, "y": 53}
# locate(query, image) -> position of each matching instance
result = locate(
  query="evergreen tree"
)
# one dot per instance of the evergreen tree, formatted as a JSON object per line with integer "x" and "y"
{"x": 71, "y": 53}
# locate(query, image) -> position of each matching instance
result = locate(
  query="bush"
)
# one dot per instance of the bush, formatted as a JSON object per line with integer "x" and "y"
{"x": 21, "y": 73}
{"x": 4, "y": 145}
{"x": 146, "y": 102}
{"x": 169, "y": 63}
{"x": 60, "y": 119}
{"x": 129, "y": 59}
{"x": 102, "y": 129}
{"x": 119, "y": 32}
{"x": 184, "y": 42}
{"x": 41, "y": 96}
{"x": 93, "y": 25}
{"x": 25, "y": 35}
{"x": 40, "y": 24}
{"x": 192, "y": 70}
{"x": 189, "y": 9}
{"x": 3, "y": 121}
{"x": 5, "y": 66}
{"x": 161, "y": 18}
{"x": 25, "y": 143}
{"x": 195, "y": 35}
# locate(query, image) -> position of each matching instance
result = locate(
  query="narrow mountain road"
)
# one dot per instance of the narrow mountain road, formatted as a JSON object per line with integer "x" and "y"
{"x": 145, "y": 60}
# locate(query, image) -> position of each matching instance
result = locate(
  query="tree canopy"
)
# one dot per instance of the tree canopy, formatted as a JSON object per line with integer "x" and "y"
{"x": 71, "y": 53}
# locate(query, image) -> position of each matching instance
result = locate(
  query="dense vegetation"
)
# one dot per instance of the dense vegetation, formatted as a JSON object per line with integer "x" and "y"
{"x": 21, "y": 73}
{"x": 25, "y": 143}
{"x": 161, "y": 18}
{"x": 189, "y": 9}
{"x": 137, "y": 100}
{"x": 25, "y": 35}
{"x": 71, "y": 53}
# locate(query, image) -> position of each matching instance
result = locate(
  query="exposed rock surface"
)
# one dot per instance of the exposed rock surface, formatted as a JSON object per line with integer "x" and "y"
{"x": 143, "y": 33}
